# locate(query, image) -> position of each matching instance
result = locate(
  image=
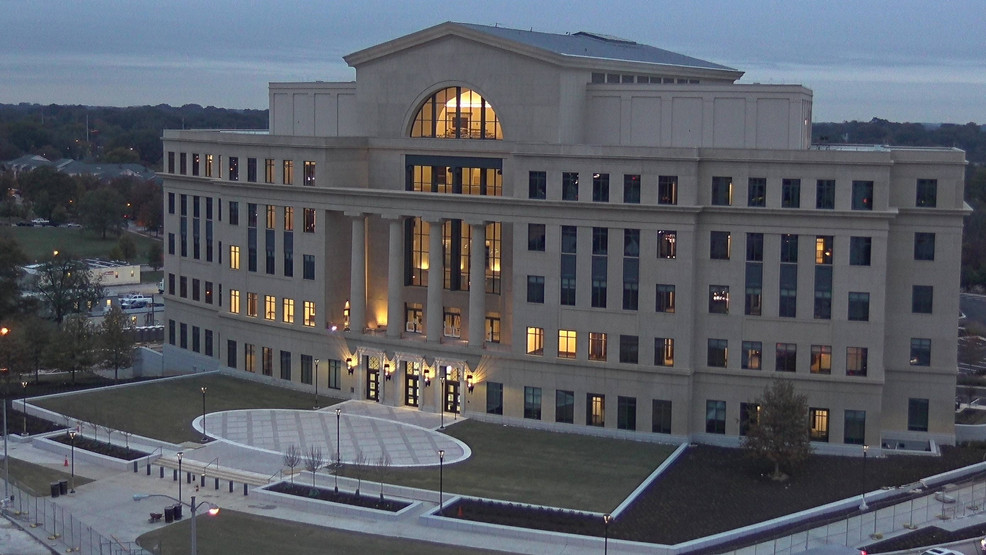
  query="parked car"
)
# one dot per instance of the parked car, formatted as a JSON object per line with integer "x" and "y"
{"x": 40, "y": 222}
{"x": 134, "y": 300}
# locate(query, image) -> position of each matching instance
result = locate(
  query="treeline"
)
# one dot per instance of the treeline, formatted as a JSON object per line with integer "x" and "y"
{"x": 970, "y": 137}
{"x": 115, "y": 135}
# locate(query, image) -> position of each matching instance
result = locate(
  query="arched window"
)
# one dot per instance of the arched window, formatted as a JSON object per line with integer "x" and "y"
{"x": 456, "y": 113}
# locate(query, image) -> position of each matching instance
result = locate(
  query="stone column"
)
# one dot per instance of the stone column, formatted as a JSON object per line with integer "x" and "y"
{"x": 357, "y": 275}
{"x": 477, "y": 285}
{"x": 395, "y": 279}
{"x": 434, "y": 312}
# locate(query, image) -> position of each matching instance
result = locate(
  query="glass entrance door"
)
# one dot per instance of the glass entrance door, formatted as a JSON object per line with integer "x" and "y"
{"x": 411, "y": 381}
{"x": 372, "y": 378}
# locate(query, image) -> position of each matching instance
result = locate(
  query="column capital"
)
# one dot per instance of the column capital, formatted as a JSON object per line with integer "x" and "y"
{"x": 392, "y": 217}
{"x": 477, "y": 222}
{"x": 352, "y": 214}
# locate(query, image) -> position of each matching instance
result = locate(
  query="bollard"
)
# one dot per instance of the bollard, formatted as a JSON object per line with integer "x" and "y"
{"x": 135, "y": 466}
{"x": 217, "y": 484}
{"x": 174, "y": 474}
{"x": 161, "y": 468}
{"x": 202, "y": 481}
{"x": 244, "y": 488}
{"x": 231, "y": 486}
{"x": 148, "y": 468}
{"x": 188, "y": 477}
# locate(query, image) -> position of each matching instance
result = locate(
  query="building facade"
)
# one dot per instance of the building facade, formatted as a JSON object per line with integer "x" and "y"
{"x": 574, "y": 232}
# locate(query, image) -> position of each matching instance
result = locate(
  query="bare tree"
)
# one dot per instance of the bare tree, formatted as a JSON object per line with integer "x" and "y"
{"x": 126, "y": 437}
{"x": 108, "y": 430}
{"x": 292, "y": 458}
{"x": 359, "y": 466}
{"x": 313, "y": 461}
{"x": 383, "y": 465}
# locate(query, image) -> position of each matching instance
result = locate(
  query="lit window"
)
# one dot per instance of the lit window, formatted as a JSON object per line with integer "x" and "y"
{"x": 597, "y": 346}
{"x": 566, "y": 343}
{"x": 309, "y": 173}
{"x": 270, "y": 307}
{"x": 719, "y": 299}
{"x": 667, "y": 244}
{"x": 456, "y": 113}
{"x": 251, "y": 304}
{"x": 663, "y": 351}
{"x": 819, "y": 424}
{"x": 856, "y": 361}
{"x": 752, "y": 355}
{"x": 287, "y": 173}
{"x": 234, "y": 301}
{"x": 287, "y": 311}
{"x": 821, "y": 359}
{"x": 535, "y": 341}
{"x": 309, "y": 314}
{"x": 234, "y": 257}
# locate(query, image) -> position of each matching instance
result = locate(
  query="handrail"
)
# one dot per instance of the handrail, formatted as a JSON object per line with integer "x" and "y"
{"x": 271, "y": 477}
{"x": 215, "y": 460}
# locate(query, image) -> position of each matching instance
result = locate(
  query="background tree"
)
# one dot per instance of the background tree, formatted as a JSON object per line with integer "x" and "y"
{"x": 102, "y": 211}
{"x": 11, "y": 258}
{"x": 116, "y": 341}
{"x": 125, "y": 249}
{"x": 32, "y": 335}
{"x": 155, "y": 255}
{"x": 67, "y": 286}
{"x": 49, "y": 191}
{"x": 73, "y": 347}
{"x": 779, "y": 433}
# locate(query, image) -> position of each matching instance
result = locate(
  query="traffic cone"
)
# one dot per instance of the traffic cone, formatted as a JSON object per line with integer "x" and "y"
{"x": 66, "y": 462}
{"x": 460, "y": 511}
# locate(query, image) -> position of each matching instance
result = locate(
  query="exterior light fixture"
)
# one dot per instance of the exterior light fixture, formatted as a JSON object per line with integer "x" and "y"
{"x": 386, "y": 370}
{"x": 349, "y": 365}
{"x": 469, "y": 383}
{"x": 427, "y": 378}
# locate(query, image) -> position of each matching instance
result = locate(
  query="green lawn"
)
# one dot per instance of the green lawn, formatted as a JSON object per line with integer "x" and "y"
{"x": 545, "y": 468}
{"x": 39, "y": 242}
{"x": 36, "y": 479}
{"x": 236, "y": 532}
{"x": 164, "y": 409}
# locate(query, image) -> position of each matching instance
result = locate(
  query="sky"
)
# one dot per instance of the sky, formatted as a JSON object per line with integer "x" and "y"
{"x": 901, "y": 60}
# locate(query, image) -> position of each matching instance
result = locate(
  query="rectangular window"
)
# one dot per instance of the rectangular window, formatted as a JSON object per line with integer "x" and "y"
{"x": 667, "y": 244}
{"x": 667, "y": 189}
{"x": 182, "y": 163}
{"x": 663, "y": 351}
{"x": 786, "y": 359}
{"x": 753, "y": 298}
{"x": 924, "y": 246}
{"x": 251, "y": 214}
{"x": 249, "y": 357}
{"x": 334, "y": 368}
{"x": 597, "y": 346}
{"x": 535, "y": 237}
{"x": 452, "y": 322}
{"x": 570, "y": 186}
{"x": 306, "y": 369}
{"x": 752, "y": 355}
{"x": 754, "y": 247}
{"x": 859, "y": 251}
{"x": 267, "y": 361}
{"x": 749, "y": 416}
{"x": 231, "y": 353}
{"x": 252, "y": 170}
{"x": 823, "y": 292}
{"x": 209, "y": 158}
{"x": 208, "y": 343}
{"x": 286, "y": 365}
{"x": 927, "y": 193}
{"x": 309, "y": 168}
{"x": 856, "y": 361}
{"x": 917, "y": 415}
{"x": 825, "y": 194}
{"x": 208, "y": 292}
{"x": 631, "y": 189}
{"x": 720, "y": 244}
{"x": 595, "y": 410}
{"x": 920, "y": 352}
{"x": 537, "y": 183}
{"x": 722, "y": 191}
{"x": 252, "y": 304}
{"x": 494, "y": 398}
{"x": 270, "y": 307}
{"x": 821, "y": 359}
{"x": 308, "y": 266}
{"x": 287, "y": 311}
{"x": 566, "y": 343}
{"x": 791, "y": 193}
{"x": 661, "y": 416}
{"x": 626, "y": 413}
{"x": 234, "y": 168}
{"x": 855, "y": 428}
{"x": 195, "y": 163}
{"x": 921, "y": 299}
{"x": 171, "y": 162}
{"x": 535, "y": 341}
{"x": 532, "y": 403}
{"x": 234, "y": 301}
{"x": 268, "y": 170}
{"x": 631, "y": 268}
{"x": 715, "y": 417}
{"x": 288, "y": 218}
{"x": 600, "y": 187}
{"x": 717, "y": 353}
{"x": 569, "y": 243}
{"x": 183, "y": 287}
{"x": 183, "y": 335}
{"x": 287, "y": 172}
{"x": 823, "y": 249}
{"x": 599, "y": 275}
{"x": 718, "y": 299}
{"x": 818, "y": 424}
{"x": 859, "y": 306}
{"x": 493, "y": 327}
{"x": 564, "y": 407}
{"x": 757, "y": 192}
{"x": 862, "y": 195}
{"x": 309, "y": 307}
{"x": 309, "y": 220}
{"x": 665, "y": 298}
{"x": 535, "y": 289}
{"x": 234, "y": 213}
{"x": 629, "y": 349}
{"x": 171, "y": 332}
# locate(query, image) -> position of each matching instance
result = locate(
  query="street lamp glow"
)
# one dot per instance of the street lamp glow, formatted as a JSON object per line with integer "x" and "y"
{"x": 213, "y": 510}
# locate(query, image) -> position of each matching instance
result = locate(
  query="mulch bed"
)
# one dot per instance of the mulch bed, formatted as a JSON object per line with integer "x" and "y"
{"x": 525, "y": 516}
{"x": 925, "y": 537}
{"x": 364, "y": 501}
{"x": 101, "y": 447}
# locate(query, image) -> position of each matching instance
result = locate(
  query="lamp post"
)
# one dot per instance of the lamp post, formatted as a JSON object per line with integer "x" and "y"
{"x": 205, "y": 438}
{"x": 193, "y": 506}
{"x": 441, "y": 482}
{"x": 24, "y": 387}
{"x": 71, "y": 434}
{"x": 6, "y": 375}
{"x": 863, "y": 506}
{"x": 179, "y": 475}
{"x": 316, "y": 384}
{"x": 607, "y": 518}
{"x": 442, "y": 402}
{"x": 338, "y": 452}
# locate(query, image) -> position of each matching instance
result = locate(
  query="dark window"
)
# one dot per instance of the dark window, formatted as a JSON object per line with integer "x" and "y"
{"x": 234, "y": 168}
{"x": 754, "y": 247}
{"x": 252, "y": 170}
{"x": 715, "y": 417}
{"x": 663, "y": 351}
{"x": 665, "y": 298}
{"x": 537, "y": 185}
{"x": 917, "y": 415}
{"x": 182, "y": 163}
{"x": 855, "y": 428}
{"x": 749, "y": 416}
{"x": 752, "y": 356}
{"x": 532, "y": 403}
{"x": 786, "y": 359}
{"x": 718, "y": 299}
{"x": 920, "y": 352}
{"x": 862, "y": 195}
{"x": 667, "y": 189}
{"x": 825, "y": 194}
{"x": 600, "y": 248}
{"x": 661, "y": 416}
{"x": 626, "y": 413}
{"x": 921, "y": 299}
{"x": 628, "y": 349}
{"x": 927, "y": 193}
{"x": 757, "y": 193}
{"x": 564, "y": 406}
{"x": 717, "y": 355}
{"x": 570, "y": 186}
{"x": 171, "y": 162}
{"x": 171, "y": 243}
{"x": 569, "y": 243}
{"x": 856, "y": 361}
{"x": 308, "y": 263}
{"x": 234, "y": 213}
{"x": 494, "y": 398}
{"x": 753, "y": 298}
{"x": 195, "y": 163}
{"x": 171, "y": 332}
{"x": 535, "y": 289}
{"x": 924, "y": 246}
{"x": 600, "y": 187}
{"x": 286, "y": 365}
{"x": 722, "y": 191}
{"x": 171, "y": 203}
{"x": 306, "y": 369}
{"x": 823, "y": 292}
{"x": 231, "y": 353}
{"x": 859, "y": 306}
{"x": 719, "y": 244}
{"x": 859, "y": 251}
{"x": 789, "y": 248}
{"x": 535, "y": 237}
{"x": 183, "y": 287}
{"x": 208, "y": 292}
{"x": 208, "y": 343}
{"x": 788, "y": 302}
{"x": 791, "y": 193}
{"x": 631, "y": 189}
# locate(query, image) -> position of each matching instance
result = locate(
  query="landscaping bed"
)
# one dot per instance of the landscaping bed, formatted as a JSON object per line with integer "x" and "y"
{"x": 346, "y": 498}
{"x": 100, "y": 447}
{"x": 526, "y": 516}
{"x": 925, "y": 537}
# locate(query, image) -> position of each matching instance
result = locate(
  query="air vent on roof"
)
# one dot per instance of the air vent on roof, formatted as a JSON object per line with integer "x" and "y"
{"x": 607, "y": 38}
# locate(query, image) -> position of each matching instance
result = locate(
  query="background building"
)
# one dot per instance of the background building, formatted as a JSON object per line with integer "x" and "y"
{"x": 571, "y": 231}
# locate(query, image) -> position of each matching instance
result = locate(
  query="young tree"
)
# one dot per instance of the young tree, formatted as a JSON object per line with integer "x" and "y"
{"x": 383, "y": 465}
{"x": 102, "y": 211}
{"x": 359, "y": 466}
{"x": 67, "y": 286}
{"x": 779, "y": 433}
{"x": 313, "y": 461}
{"x": 33, "y": 336}
{"x": 73, "y": 347}
{"x": 116, "y": 341}
{"x": 292, "y": 458}
{"x": 128, "y": 248}
{"x": 155, "y": 255}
